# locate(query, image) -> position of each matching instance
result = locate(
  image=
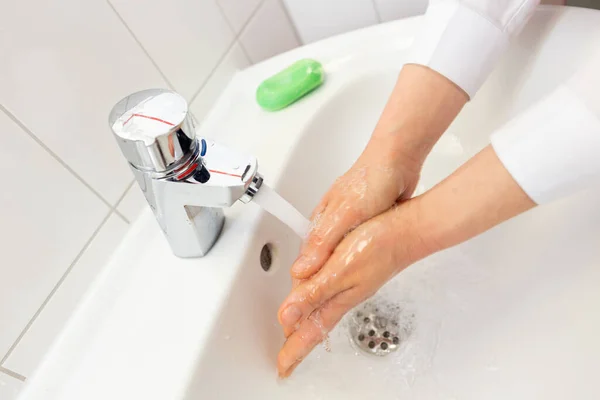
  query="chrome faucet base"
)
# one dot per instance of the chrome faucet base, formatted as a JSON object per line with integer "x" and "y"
{"x": 186, "y": 180}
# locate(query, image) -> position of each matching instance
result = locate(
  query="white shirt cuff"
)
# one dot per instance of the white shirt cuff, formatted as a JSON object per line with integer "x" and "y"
{"x": 460, "y": 44}
{"x": 553, "y": 149}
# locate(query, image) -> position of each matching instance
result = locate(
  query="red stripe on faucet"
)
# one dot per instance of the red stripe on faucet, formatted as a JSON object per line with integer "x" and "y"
{"x": 147, "y": 117}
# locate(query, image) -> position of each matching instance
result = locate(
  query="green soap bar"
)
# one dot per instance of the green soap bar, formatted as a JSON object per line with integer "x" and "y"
{"x": 290, "y": 85}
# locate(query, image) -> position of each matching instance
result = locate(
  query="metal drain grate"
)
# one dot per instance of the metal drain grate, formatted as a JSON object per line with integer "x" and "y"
{"x": 379, "y": 329}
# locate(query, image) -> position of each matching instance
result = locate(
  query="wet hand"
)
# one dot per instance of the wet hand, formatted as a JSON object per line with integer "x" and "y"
{"x": 420, "y": 108}
{"x": 462, "y": 206}
{"x": 363, "y": 262}
{"x": 374, "y": 183}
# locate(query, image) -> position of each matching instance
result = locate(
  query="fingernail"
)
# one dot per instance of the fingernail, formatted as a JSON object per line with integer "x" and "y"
{"x": 291, "y": 315}
{"x": 286, "y": 374}
{"x": 301, "y": 265}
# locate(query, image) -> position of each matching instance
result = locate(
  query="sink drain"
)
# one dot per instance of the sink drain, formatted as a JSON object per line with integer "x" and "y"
{"x": 379, "y": 329}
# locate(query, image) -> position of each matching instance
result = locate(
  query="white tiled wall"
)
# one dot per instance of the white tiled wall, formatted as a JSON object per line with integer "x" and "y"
{"x": 67, "y": 196}
{"x": 319, "y": 19}
{"x": 390, "y": 10}
{"x": 274, "y": 16}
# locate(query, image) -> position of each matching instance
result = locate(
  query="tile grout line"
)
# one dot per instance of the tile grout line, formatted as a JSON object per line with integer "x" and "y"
{"x": 124, "y": 218}
{"x": 245, "y": 24}
{"x": 139, "y": 43}
{"x": 224, "y": 15}
{"x": 13, "y": 374}
{"x": 21, "y": 125}
{"x": 291, "y": 21}
{"x": 377, "y": 12}
{"x": 233, "y": 43}
{"x": 243, "y": 48}
{"x": 250, "y": 18}
{"x": 120, "y": 200}
{"x": 52, "y": 154}
{"x": 161, "y": 73}
{"x": 243, "y": 28}
{"x": 235, "y": 39}
{"x": 55, "y": 289}
{"x": 221, "y": 59}
{"x": 212, "y": 72}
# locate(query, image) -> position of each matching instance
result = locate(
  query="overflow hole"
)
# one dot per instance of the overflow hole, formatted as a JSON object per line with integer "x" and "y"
{"x": 266, "y": 257}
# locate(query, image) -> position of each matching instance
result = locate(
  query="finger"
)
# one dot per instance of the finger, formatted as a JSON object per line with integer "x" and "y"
{"x": 289, "y": 371}
{"x": 312, "y": 294}
{"x": 288, "y": 330}
{"x": 314, "y": 216}
{"x": 296, "y": 283}
{"x": 334, "y": 223}
{"x": 315, "y": 220}
{"x": 314, "y": 330}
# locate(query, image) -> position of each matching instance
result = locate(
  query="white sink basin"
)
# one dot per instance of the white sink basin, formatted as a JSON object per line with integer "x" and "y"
{"x": 511, "y": 314}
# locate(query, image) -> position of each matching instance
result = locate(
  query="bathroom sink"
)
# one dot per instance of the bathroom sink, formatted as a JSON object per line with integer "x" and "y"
{"x": 509, "y": 314}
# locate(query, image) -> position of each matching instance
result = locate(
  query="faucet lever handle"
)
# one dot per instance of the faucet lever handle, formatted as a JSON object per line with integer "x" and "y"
{"x": 155, "y": 130}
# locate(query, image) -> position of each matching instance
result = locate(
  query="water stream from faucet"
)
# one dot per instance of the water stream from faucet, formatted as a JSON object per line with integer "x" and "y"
{"x": 277, "y": 206}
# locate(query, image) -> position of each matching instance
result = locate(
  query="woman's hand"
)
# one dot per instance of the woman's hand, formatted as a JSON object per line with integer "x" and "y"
{"x": 363, "y": 262}
{"x": 419, "y": 110}
{"x": 478, "y": 196}
{"x": 374, "y": 183}
{"x": 370, "y": 187}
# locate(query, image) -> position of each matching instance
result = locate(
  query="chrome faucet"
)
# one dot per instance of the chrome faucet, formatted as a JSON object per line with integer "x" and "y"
{"x": 186, "y": 180}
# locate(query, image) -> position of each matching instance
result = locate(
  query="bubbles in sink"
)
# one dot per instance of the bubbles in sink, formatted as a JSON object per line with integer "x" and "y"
{"x": 431, "y": 296}
{"x": 327, "y": 344}
{"x": 316, "y": 319}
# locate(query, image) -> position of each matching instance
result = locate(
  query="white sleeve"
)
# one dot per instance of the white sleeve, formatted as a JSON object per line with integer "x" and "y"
{"x": 463, "y": 39}
{"x": 553, "y": 148}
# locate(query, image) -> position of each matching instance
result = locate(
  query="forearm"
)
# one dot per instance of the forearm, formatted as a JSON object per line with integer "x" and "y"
{"x": 550, "y": 151}
{"x": 478, "y": 196}
{"x": 457, "y": 48}
{"x": 422, "y": 106}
